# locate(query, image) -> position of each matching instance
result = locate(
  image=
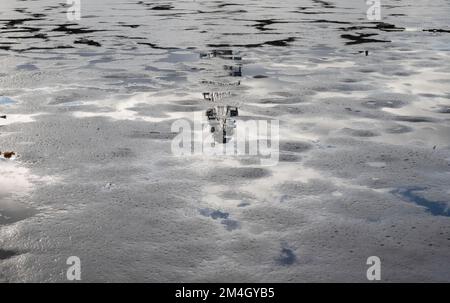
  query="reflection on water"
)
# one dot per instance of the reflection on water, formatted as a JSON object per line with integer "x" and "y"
{"x": 16, "y": 182}
{"x": 222, "y": 124}
{"x": 221, "y": 117}
{"x": 363, "y": 108}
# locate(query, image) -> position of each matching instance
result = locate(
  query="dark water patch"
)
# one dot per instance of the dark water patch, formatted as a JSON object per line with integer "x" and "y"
{"x": 162, "y": 7}
{"x": 215, "y": 214}
{"x": 287, "y": 257}
{"x": 329, "y": 21}
{"x": 281, "y": 43}
{"x": 415, "y": 119}
{"x": 12, "y": 23}
{"x": 237, "y": 174}
{"x": 307, "y": 10}
{"x": 410, "y": 194}
{"x": 399, "y": 129}
{"x": 381, "y": 103}
{"x": 382, "y": 26}
{"x": 199, "y": 11}
{"x": 444, "y": 109}
{"x": 23, "y": 29}
{"x": 129, "y": 25}
{"x": 244, "y": 204}
{"x": 360, "y": 132}
{"x": 27, "y": 67}
{"x": 123, "y": 76}
{"x": 155, "y": 46}
{"x": 261, "y": 25}
{"x": 130, "y": 37}
{"x": 157, "y": 7}
{"x": 87, "y": 42}
{"x": 431, "y": 95}
{"x": 324, "y": 4}
{"x": 361, "y": 38}
{"x": 37, "y": 36}
{"x": 222, "y": 5}
{"x": 351, "y": 80}
{"x": 231, "y": 225}
{"x": 234, "y": 34}
{"x": 437, "y": 30}
{"x": 6, "y": 254}
{"x": 44, "y": 48}
{"x": 37, "y": 15}
{"x": 289, "y": 158}
{"x": 237, "y": 11}
{"x": 388, "y": 27}
{"x": 312, "y": 13}
{"x": 153, "y": 135}
{"x": 52, "y": 7}
{"x": 228, "y": 223}
{"x": 295, "y": 146}
{"x": 66, "y": 28}
{"x": 403, "y": 73}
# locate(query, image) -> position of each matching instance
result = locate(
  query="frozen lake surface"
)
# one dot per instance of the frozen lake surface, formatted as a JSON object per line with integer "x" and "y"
{"x": 364, "y": 113}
